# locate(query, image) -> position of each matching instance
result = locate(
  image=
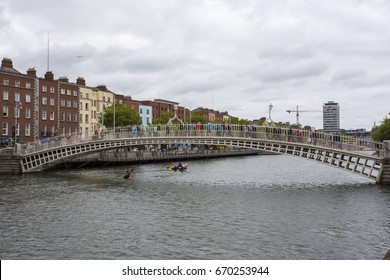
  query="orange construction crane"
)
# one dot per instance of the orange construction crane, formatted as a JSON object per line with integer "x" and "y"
{"x": 300, "y": 111}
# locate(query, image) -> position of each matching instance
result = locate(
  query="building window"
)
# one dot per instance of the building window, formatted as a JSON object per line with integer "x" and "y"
{"x": 86, "y": 106}
{"x": 52, "y": 90}
{"x": 51, "y": 101}
{"x": 140, "y": 111}
{"x": 68, "y": 92}
{"x": 5, "y": 82}
{"x": 75, "y": 103}
{"x": 17, "y": 96}
{"x": 28, "y": 85}
{"x": 52, "y": 115}
{"x": 69, "y": 117}
{"x": 44, "y": 88}
{"x": 5, "y": 128}
{"x": 27, "y": 129}
{"x": 17, "y": 83}
{"x": 52, "y": 130}
{"x": 86, "y": 119}
{"x": 28, "y": 98}
{"x": 44, "y": 114}
{"x": 62, "y": 102}
{"x": 44, "y": 100}
{"x": 63, "y": 116}
{"x": 75, "y": 117}
{"x": 5, "y": 111}
{"x": 108, "y": 98}
{"x": 5, "y": 95}
{"x": 27, "y": 113}
{"x": 69, "y": 103}
{"x": 75, "y": 93}
{"x": 147, "y": 111}
{"x": 81, "y": 118}
{"x": 87, "y": 96}
{"x": 63, "y": 91}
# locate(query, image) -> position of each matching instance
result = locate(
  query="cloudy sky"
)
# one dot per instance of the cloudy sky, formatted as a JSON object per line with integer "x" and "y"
{"x": 230, "y": 55}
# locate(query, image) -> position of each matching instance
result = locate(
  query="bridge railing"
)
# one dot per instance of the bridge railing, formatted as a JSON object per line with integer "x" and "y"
{"x": 215, "y": 130}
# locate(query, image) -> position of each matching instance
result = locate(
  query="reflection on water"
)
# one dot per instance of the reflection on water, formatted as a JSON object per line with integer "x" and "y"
{"x": 259, "y": 207}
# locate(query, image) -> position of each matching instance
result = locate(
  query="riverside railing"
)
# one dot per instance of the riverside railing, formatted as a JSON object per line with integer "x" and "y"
{"x": 224, "y": 131}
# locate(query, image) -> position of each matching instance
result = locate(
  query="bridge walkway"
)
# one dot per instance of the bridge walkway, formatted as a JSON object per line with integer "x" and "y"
{"x": 352, "y": 154}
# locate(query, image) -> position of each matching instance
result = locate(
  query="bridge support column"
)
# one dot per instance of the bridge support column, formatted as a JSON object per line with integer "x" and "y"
{"x": 384, "y": 177}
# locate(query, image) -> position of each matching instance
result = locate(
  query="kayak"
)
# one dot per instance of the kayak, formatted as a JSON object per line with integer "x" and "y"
{"x": 180, "y": 167}
{"x": 128, "y": 174}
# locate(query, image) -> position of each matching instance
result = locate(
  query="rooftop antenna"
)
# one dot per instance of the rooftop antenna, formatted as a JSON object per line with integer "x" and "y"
{"x": 48, "y": 50}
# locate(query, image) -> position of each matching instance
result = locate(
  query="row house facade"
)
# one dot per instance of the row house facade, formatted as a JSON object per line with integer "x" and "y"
{"x": 161, "y": 106}
{"x": 88, "y": 108}
{"x": 17, "y": 104}
{"x": 146, "y": 114}
{"x": 36, "y": 108}
{"x": 213, "y": 115}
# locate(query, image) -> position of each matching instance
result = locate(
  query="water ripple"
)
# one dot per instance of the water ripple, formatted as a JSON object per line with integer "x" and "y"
{"x": 266, "y": 207}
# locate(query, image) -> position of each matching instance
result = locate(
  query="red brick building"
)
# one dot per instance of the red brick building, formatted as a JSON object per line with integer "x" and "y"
{"x": 129, "y": 102}
{"x": 17, "y": 104}
{"x": 161, "y": 106}
{"x": 36, "y": 108}
{"x": 68, "y": 95}
{"x": 47, "y": 124}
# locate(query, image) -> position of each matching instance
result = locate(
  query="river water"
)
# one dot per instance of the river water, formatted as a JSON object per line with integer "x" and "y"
{"x": 255, "y": 207}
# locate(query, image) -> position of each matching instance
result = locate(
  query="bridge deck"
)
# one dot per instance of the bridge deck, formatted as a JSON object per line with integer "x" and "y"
{"x": 355, "y": 155}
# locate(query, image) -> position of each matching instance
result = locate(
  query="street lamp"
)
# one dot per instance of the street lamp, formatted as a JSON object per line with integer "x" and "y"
{"x": 114, "y": 114}
{"x": 269, "y": 111}
{"x": 18, "y": 106}
{"x": 102, "y": 112}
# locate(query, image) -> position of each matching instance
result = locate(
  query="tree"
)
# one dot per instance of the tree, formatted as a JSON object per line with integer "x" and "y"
{"x": 123, "y": 116}
{"x": 196, "y": 117}
{"x": 164, "y": 118}
{"x": 382, "y": 132}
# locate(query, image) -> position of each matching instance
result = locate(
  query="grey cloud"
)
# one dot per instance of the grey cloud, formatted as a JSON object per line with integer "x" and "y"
{"x": 292, "y": 70}
{"x": 246, "y": 54}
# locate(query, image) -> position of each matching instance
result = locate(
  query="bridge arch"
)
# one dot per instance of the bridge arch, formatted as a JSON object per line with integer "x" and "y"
{"x": 352, "y": 156}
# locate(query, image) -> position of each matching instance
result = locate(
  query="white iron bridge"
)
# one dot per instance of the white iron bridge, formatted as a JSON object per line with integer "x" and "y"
{"x": 355, "y": 155}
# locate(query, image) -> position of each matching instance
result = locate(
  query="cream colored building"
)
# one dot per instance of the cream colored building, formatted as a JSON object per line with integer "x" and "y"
{"x": 92, "y": 101}
{"x": 105, "y": 98}
{"x": 88, "y": 111}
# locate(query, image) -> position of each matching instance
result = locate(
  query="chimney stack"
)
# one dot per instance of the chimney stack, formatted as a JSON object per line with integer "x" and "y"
{"x": 63, "y": 79}
{"x": 32, "y": 72}
{"x": 80, "y": 81}
{"x": 49, "y": 76}
{"x": 6, "y": 63}
{"x": 102, "y": 87}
